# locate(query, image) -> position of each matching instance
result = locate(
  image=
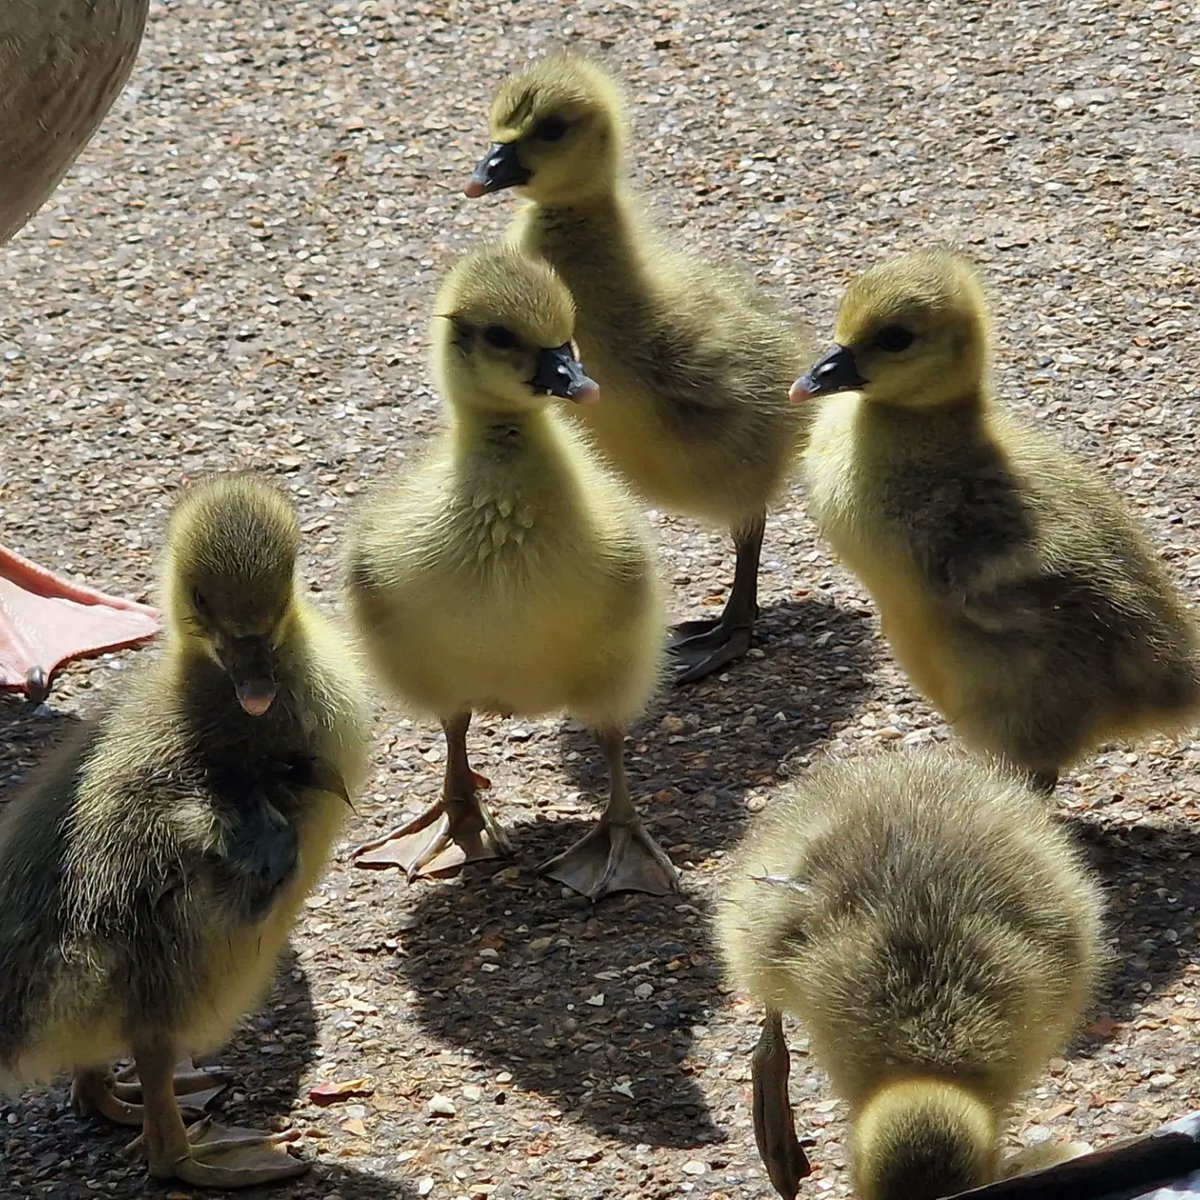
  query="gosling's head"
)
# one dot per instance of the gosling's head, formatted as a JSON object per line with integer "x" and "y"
{"x": 502, "y": 334}
{"x": 912, "y": 333}
{"x": 922, "y": 1138}
{"x": 557, "y": 134}
{"x": 230, "y": 567}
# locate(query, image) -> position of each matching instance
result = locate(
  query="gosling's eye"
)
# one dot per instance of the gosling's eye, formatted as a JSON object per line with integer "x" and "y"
{"x": 550, "y": 129}
{"x": 893, "y": 339}
{"x": 199, "y": 601}
{"x": 498, "y": 336}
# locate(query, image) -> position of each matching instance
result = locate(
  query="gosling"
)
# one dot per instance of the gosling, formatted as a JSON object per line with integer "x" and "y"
{"x": 149, "y": 876}
{"x": 510, "y": 573}
{"x": 1014, "y": 588}
{"x": 938, "y": 936}
{"x": 694, "y": 363}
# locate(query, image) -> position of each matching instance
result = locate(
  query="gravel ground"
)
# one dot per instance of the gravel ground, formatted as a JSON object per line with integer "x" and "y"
{"x": 238, "y": 273}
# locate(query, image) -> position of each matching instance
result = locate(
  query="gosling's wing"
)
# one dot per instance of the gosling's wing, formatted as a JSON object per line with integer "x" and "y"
{"x": 258, "y": 856}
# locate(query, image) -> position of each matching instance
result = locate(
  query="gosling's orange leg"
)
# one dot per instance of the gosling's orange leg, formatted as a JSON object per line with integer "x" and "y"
{"x": 774, "y": 1123}
{"x": 458, "y": 828}
{"x": 205, "y": 1155}
{"x": 618, "y": 855}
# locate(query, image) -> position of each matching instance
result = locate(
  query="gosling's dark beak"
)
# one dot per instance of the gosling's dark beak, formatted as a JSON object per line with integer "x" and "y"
{"x": 559, "y": 373}
{"x": 251, "y": 665}
{"x": 498, "y": 168}
{"x": 835, "y": 372}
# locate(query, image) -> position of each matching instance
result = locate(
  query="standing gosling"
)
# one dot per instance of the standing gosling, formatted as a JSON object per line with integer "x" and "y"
{"x": 510, "y": 573}
{"x": 693, "y": 363}
{"x": 938, "y": 936}
{"x": 1014, "y": 588}
{"x": 149, "y": 877}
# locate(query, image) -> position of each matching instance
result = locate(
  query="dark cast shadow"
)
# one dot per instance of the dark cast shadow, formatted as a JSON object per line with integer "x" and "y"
{"x": 700, "y": 748}
{"x": 592, "y": 1005}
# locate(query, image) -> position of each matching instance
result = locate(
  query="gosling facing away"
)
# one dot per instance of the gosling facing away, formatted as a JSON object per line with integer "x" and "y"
{"x": 1013, "y": 586}
{"x": 510, "y": 573}
{"x": 694, "y": 364}
{"x": 937, "y": 935}
{"x": 149, "y": 875}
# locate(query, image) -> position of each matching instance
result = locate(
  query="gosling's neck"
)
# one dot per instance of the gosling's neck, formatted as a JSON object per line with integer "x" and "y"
{"x": 961, "y": 389}
{"x": 479, "y": 416}
{"x": 609, "y": 214}
{"x": 605, "y": 253}
{"x": 602, "y": 191}
{"x": 966, "y": 405}
{"x": 498, "y": 429}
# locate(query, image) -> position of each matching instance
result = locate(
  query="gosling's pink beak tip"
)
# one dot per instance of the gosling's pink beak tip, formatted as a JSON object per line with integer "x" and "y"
{"x": 256, "y": 703}
{"x": 587, "y": 393}
{"x": 799, "y": 393}
{"x": 474, "y": 189}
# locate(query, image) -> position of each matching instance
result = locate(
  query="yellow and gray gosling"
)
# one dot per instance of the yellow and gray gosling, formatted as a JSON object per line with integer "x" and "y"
{"x": 693, "y": 361}
{"x": 150, "y": 874}
{"x": 938, "y": 936}
{"x": 511, "y": 573}
{"x": 1014, "y": 587}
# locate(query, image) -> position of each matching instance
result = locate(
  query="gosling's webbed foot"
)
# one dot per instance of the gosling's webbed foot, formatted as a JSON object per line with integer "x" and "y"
{"x": 615, "y": 857}
{"x": 118, "y": 1097}
{"x": 429, "y": 848}
{"x": 702, "y": 647}
{"x": 682, "y": 631}
{"x": 447, "y": 834}
{"x": 227, "y": 1157}
{"x": 774, "y": 1123}
{"x": 714, "y": 645}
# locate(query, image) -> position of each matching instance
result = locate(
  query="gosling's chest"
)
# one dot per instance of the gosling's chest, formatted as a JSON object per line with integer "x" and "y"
{"x": 835, "y": 470}
{"x": 498, "y": 522}
{"x": 511, "y": 502}
{"x": 850, "y": 476}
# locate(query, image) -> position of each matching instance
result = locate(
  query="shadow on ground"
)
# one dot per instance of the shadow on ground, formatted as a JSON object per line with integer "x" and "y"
{"x": 594, "y": 1006}
{"x": 701, "y": 747}
{"x": 1152, "y": 886}
{"x": 28, "y": 735}
{"x": 590, "y": 1005}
